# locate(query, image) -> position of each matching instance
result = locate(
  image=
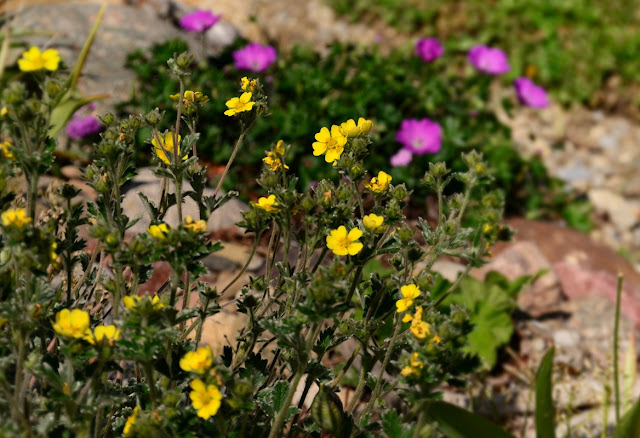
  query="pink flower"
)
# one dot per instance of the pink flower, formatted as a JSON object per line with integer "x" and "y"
{"x": 429, "y": 49}
{"x": 489, "y": 60}
{"x": 83, "y": 123}
{"x": 402, "y": 158}
{"x": 254, "y": 57}
{"x": 420, "y": 136}
{"x": 199, "y": 21}
{"x": 531, "y": 94}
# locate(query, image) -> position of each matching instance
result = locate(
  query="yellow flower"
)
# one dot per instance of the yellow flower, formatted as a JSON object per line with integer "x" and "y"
{"x": 4, "y": 148}
{"x": 198, "y": 361}
{"x": 350, "y": 129}
{"x": 205, "y": 399}
{"x": 237, "y": 105}
{"x": 72, "y": 324}
{"x": 267, "y": 204}
{"x": 342, "y": 243}
{"x": 195, "y": 226}
{"x": 409, "y": 292}
{"x": 4, "y": 111}
{"x": 374, "y": 223}
{"x": 131, "y": 421}
{"x": 16, "y": 217}
{"x": 159, "y": 231}
{"x": 420, "y": 329}
{"x": 417, "y": 315}
{"x": 364, "y": 125}
{"x": 279, "y": 148}
{"x": 102, "y": 332}
{"x": 436, "y": 339}
{"x": 273, "y": 162}
{"x": 248, "y": 85}
{"x": 165, "y": 147}
{"x": 380, "y": 183}
{"x": 33, "y": 60}
{"x": 414, "y": 367}
{"x": 332, "y": 143}
{"x": 135, "y": 302}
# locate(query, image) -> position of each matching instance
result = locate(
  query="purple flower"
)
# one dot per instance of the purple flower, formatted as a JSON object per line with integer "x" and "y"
{"x": 420, "y": 136}
{"x": 198, "y": 21}
{"x": 402, "y": 158}
{"x": 429, "y": 49}
{"x": 80, "y": 127}
{"x": 489, "y": 60}
{"x": 530, "y": 94}
{"x": 254, "y": 57}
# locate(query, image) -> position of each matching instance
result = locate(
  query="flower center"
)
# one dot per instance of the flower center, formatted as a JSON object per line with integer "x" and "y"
{"x": 417, "y": 143}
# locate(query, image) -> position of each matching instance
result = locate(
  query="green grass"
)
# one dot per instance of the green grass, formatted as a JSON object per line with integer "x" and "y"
{"x": 575, "y": 46}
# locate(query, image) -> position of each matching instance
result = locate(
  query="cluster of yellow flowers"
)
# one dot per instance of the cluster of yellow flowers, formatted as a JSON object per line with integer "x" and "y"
{"x": 414, "y": 367}
{"x": 409, "y": 292}
{"x": 15, "y": 218}
{"x": 4, "y": 150}
{"x": 419, "y": 328}
{"x": 330, "y": 143}
{"x": 268, "y": 204}
{"x": 275, "y": 158}
{"x": 248, "y": 84}
{"x": 199, "y": 226}
{"x": 33, "y": 60}
{"x": 206, "y": 398}
{"x": 75, "y": 324}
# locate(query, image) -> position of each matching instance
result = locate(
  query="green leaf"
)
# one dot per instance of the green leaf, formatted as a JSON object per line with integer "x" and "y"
{"x": 272, "y": 399}
{"x": 455, "y": 422}
{"x": 545, "y": 411}
{"x": 392, "y": 426}
{"x": 629, "y": 426}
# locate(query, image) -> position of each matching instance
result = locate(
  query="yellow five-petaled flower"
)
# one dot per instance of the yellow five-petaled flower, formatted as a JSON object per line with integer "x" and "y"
{"x": 374, "y": 223}
{"x": 350, "y": 129}
{"x": 159, "y": 231}
{"x": 136, "y": 302}
{"x": 195, "y": 226}
{"x": 71, "y": 324}
{"x": 267, "y": 204}
{"x": 380, "y": 183}
{"x": 206, "y": 399}
{"x": 198, "y": 361}
{"x": 239, "y": 104}
{"x": 15, "y": 218}
{"x": 343, "y": 243}
{"x": 331, "y": 143}
{"x": 110, "y": 333}
{"x": 33, "y": 60}
{"x": 165, "y": 146}
{"x": 4, "y": 149}
{"x": 409, "y": 292}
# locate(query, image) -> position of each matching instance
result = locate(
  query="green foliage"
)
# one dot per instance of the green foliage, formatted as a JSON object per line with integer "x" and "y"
{"x": 455, "y": 422}
{"x": 545, "y": 410}
{"x": 490, "y": 304}
{"x": 308, "y": 91}
{"x": 573, "y": 45}
{"x": 629, "y": 425}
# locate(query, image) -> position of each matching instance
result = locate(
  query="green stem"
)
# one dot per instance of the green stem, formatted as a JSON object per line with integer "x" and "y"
{"x": 236, "y": 148}
{"x": 148, "y": 370}
{"x": 616, "y": 379}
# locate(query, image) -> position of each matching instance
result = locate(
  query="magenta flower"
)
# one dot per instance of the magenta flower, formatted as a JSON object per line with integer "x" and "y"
{"x": 489, "y": 60}
{"x": 420, "y": 136}
{"x": 402, "y": 158}
{"x": 429, "y": 49}
{"x": 83, "y": 123}
{"x": 199, "y": 21}
{"x": 254, "y": 57}
{"x": 531, "y": 94}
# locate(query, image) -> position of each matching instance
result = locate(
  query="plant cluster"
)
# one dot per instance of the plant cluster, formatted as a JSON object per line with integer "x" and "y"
{"x": 449, "y": 115}
{"x": 573, "y": 46}
{"x": 85, "y": 353}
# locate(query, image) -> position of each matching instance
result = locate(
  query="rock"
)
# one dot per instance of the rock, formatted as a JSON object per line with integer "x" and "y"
{"x": 233, "y": 256}
{"x": 221, "y": 329}
{"x": 620, "y": 211}
{"x": 449, "y": 269}
{"x": 566, "y": 338}
{"x": 145, "y": 182}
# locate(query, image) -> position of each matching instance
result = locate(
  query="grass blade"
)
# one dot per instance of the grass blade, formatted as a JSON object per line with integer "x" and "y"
{"x": 545, "y": 411}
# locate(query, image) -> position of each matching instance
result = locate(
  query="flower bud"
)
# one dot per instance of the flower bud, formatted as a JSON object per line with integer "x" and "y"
{"x": 307, "y": 203}
{"x": 327, "y": 411}
{"x": 438, "y": 169}
{"x": 400, "y": 192}
{"x": 108, "y": 119}
{"x": 184, "y": 60}
{"x": 450, "y": 228}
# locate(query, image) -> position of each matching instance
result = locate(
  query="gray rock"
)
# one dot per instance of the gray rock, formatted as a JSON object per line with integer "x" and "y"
{"x": 566, "y": 338}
